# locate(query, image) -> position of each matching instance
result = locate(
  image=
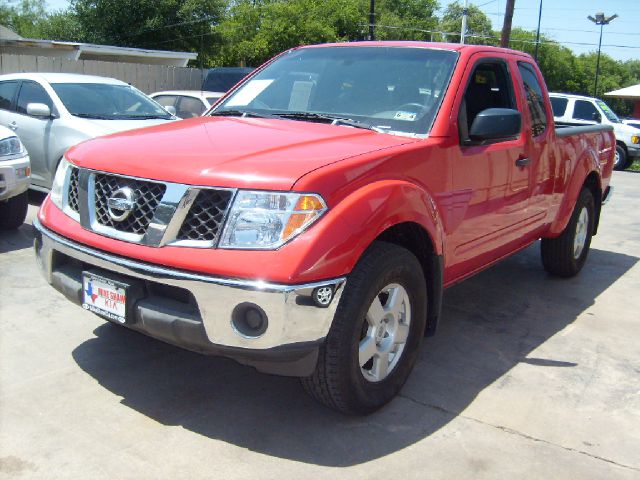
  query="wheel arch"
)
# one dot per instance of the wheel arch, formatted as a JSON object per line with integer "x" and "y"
{"x": 413, "y": 237}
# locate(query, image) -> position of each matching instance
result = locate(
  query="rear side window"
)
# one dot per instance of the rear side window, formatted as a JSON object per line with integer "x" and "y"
{"x": 166, "y": 100}
{"x": 535, "y": 100}
{"x": 584, "y": 110}
{"x": 7, "y": 94}
{"x": 190, "y": 107}
{"x": 559, "y": 106}
{"x": 31, "y": 92}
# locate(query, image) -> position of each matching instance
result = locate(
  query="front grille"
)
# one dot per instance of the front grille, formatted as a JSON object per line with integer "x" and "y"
{"x": 72, "y": 198}
{"x": 205, "y": 216}
{"x": 148, "y": 196}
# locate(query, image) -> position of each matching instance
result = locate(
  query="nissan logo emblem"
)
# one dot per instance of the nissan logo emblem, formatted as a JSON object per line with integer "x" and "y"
{"x": 121, "y": 203}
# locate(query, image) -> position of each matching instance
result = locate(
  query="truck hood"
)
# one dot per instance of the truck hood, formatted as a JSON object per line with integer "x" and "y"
{"x": 229, "y": 151}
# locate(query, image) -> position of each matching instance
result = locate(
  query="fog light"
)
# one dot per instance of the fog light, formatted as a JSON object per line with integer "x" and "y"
{"x": 249, "y": 320}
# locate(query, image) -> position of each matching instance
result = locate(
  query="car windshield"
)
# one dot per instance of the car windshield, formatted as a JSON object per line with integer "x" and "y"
{"x": 388, "y": 89}
{"x": 108, "y": 101}
{"x": 613, "y": 118}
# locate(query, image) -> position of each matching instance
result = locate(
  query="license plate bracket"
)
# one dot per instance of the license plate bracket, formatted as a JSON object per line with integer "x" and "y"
{"x": 106, "y": 297}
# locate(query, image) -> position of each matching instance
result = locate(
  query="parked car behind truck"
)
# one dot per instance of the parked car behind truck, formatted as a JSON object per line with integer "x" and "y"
{"x": 309, "y": 224}
{"x": 14, "y": 180}
{"x": 579, "y": 110}
{"x": 53, "y": 111}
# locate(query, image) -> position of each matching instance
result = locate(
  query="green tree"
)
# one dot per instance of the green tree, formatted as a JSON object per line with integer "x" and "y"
{"x": 478, "y": 26}
{"x": 156, "y": 24}
{"x": 406, "y": 19}
{"x": 24, "y": 17}
{"x": 254, "y": 31}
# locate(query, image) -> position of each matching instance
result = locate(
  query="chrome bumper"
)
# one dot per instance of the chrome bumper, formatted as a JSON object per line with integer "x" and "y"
{"x": 11, "y": 183}
{"x": 293, "y": 319}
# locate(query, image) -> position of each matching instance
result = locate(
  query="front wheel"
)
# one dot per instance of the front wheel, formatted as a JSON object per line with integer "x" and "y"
{"x": 620, "y": 161}
{"x": 565, "y": 255}
{"x": 13, "y": 211}
{"x": 376, "y": 333}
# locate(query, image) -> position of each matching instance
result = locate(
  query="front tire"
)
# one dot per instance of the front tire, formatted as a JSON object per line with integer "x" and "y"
{"x": 13, "y": 211}
{"x": 376, "y": 333}
{"x": 620, "y": 161}
{"x": 565, "y": 255}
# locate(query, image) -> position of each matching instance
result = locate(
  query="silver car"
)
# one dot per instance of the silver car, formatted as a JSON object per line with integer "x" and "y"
{"x": 54, "y": 111}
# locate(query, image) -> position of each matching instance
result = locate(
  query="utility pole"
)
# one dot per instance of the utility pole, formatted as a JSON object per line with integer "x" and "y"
{"x": 465, "y": 13}
{"x": 535, "y": 55}
{"x": 372, "y": 20}
{"x": 506, "y": 26}
{"x": 602, "y": 21}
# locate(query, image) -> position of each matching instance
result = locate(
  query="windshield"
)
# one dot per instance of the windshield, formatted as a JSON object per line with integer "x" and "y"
{"x": 613, "y": 118}
{"x": 108, "y": 101}
{"x": 389, "y": 89}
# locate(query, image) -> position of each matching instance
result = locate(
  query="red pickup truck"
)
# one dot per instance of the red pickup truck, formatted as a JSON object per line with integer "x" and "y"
{"x": 308, "y": 224}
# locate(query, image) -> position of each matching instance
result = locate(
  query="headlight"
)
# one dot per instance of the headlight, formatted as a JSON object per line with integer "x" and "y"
{"x": 58, "y": 182}
{"x": 11, "y": 146}
{"x": 267, "y": 220}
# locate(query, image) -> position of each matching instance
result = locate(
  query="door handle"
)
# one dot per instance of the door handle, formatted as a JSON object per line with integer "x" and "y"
{"x": 522, "y": 162}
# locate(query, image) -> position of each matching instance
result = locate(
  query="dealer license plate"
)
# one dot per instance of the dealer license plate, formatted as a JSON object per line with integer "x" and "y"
{"x": 105, "y": 297}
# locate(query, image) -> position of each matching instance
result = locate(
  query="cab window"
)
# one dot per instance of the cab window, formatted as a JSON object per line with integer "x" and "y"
{"x": 7, "y": 94}
{"x": 31, "y": 92}
{"x": 559, "y": 106}
{"x": 535, "y": 100}
{"x": 490, "y": 86}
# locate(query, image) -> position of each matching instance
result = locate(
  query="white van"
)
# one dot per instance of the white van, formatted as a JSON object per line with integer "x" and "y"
{"x": 579, "y": 110}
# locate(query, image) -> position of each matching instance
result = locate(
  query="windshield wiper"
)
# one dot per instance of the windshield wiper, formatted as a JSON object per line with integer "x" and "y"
{"x": 332, "y": 119}
{"x": 92, "y": 115}
{"x": 141, "y": 117}
{"x": 239, "y": 113}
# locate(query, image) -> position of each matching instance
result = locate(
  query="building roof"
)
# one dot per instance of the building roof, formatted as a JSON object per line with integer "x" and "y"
{"x": 632, "y": 92}
{"x": 12, "y": 43}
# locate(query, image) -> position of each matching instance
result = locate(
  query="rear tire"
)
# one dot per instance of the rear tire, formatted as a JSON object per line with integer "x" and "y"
{"x": 13, "y": 211}
{"x": 620, "y": 162}
{"x": 565, "y": 255}
{"x": 376, "y": 333}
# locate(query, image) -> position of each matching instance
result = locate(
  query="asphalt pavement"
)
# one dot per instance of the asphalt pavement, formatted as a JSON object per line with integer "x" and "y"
{"x": 529, "y": 377}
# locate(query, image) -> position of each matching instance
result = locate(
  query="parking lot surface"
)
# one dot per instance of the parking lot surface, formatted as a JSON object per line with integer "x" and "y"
{"x": 528, "y": 377}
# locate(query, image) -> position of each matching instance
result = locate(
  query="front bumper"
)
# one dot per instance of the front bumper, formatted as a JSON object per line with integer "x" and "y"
{"x": 13, "y": 183}
{"x": 194, "y": 311}
{"x": 633, "y": 151}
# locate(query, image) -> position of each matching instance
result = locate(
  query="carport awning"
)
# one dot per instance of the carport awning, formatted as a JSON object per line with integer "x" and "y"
{"x": 632, "y": 92}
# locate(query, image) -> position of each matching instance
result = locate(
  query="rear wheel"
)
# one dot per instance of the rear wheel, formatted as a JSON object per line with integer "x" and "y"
{"x": 376, "y": 333}
{"x": 13, "y": 211}
{"x": 565, "y": 255}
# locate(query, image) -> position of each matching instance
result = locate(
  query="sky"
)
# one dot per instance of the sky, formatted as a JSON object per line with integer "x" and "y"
{"x": 564, "y": 21}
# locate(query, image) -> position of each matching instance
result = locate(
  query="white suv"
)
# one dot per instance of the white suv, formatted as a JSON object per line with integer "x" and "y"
{"x": 579, "y": 110}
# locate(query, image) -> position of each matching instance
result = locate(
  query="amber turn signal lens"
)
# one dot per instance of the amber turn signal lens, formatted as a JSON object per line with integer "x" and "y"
{"x": 308, "y": 202}
{"x": 635, "y": 139}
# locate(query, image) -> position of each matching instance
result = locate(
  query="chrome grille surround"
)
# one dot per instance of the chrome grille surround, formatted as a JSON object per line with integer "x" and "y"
{"x": 163, "y": 210}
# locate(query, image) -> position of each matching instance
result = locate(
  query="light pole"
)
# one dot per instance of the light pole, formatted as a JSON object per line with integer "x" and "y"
{"x": 602, "y": 21}
{"x": 465, "y": 13}
{"x": 535, "y": 55}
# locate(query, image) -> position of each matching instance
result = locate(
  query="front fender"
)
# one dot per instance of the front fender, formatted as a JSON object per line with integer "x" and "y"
{"x": 334, "y": 245}
{"x": 584, "y": 166}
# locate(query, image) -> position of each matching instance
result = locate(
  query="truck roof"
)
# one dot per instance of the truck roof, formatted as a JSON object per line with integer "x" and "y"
{"x": 416, "y": 44}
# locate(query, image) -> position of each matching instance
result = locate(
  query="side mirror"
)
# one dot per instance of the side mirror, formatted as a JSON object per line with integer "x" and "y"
{"x": 597, "y": 117}
{"x": 495, "y": 124}
{"x": 38, "y": 110}
{"x": 171, "y": 109}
